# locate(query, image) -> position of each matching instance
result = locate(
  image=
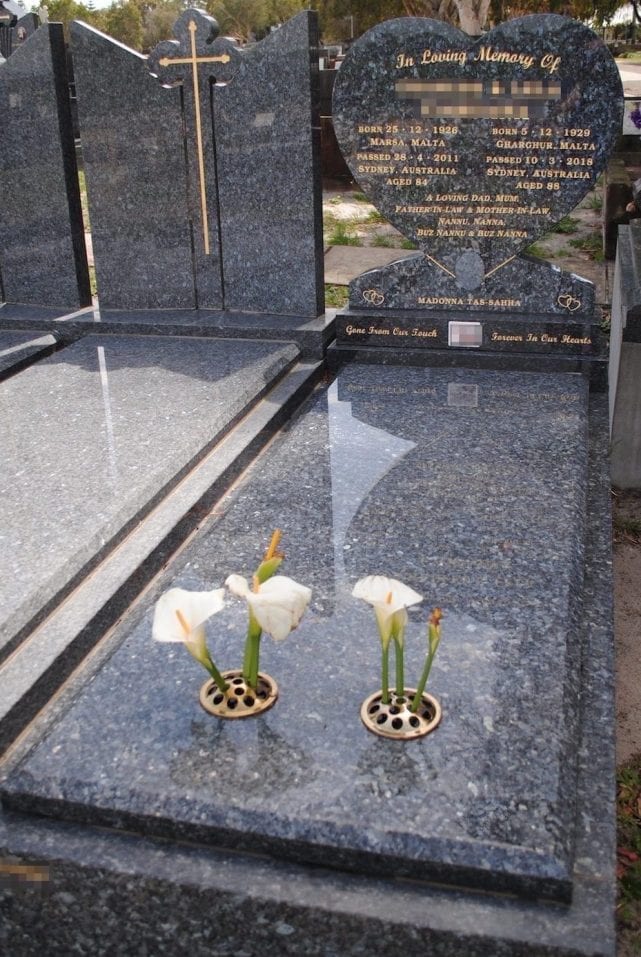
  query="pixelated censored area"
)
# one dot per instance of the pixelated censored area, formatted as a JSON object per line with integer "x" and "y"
{"x": 490, "y": 99}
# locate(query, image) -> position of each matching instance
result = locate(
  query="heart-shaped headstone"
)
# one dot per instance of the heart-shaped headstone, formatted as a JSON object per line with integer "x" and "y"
{"x": 474, "y": 147}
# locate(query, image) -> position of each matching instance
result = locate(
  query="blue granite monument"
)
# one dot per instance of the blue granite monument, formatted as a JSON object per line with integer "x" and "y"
{"x": 132, "y": 819}
{"x": 473, "y": 148}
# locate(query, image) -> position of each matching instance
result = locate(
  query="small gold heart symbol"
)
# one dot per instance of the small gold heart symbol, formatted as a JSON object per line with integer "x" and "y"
{"x": 373, "y": 297}
{"x": 569, "y": 302}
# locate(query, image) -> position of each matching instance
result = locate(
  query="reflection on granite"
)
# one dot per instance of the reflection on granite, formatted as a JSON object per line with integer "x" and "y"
{"x": 471, "y": 487}
{"x": 95, "y": 434}
{"x": 18, "y": 349}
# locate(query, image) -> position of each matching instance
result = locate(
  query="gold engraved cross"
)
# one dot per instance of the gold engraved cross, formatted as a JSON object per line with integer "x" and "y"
{"x": 190, "y": 19}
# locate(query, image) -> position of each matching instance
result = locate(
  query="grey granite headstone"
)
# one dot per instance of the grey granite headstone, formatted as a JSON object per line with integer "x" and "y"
{"x": 42, "y": 248}
{"x": 135, "y": 173}
{"x": 228, "y": 216}
{"x": 473, "y": 148}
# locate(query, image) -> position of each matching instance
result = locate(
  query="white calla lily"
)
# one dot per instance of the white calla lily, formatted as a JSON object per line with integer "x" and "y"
{"x": 180, "y": 615}
{"x": 277, "y": 604}
{"x": 179, "y": 612}
{"x": 390, "y": 598}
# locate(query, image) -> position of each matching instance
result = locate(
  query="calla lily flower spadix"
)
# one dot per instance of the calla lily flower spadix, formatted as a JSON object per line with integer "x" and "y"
{"x": 390, "y": 599}
{"x": 433, "y": 641}
{"x": 275, "y": 604}
{"x": 180, "y": 615}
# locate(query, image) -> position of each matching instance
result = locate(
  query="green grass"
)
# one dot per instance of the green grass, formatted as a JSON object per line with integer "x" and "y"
{"x": 83, "y": 199}
{"x": 408, "y": 244}
{"x": 360, "y": 198}
{"x": 628, "y": 526}
{"x": 634, "y": 56}
{"x": 566, "y": 225}
{"x": 594, "y": 201}
{"x": 376, "y": 217}
{"x": 536, "y": 249}
{"x": 629, "y": 848}
{"x": 592, "y": 245}
{"x": 335, "y": 296}
{"x": 341, "y": 236}
{"x": 385, "y": 241}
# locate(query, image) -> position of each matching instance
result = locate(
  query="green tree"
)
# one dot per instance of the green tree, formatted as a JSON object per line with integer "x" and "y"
{"x": 601, "y": 10}
{"x": 123, "y": 21}
{"x": 158, "y": 22}
{"x": 64, "y": 11}
{"x": 241, "y": 19}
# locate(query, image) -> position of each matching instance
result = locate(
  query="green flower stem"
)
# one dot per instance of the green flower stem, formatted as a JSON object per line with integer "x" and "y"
{"x": 216, "y": 675}
{"x": 385, "y": 674}
{"x": 252, "y": 652}
{"x": 203, "y": 658}
{"x": 400, "y": 669}
{"x": 426, "y": 673}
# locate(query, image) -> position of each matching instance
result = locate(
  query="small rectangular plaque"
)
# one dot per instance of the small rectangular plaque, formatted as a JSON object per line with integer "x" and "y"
{"x": 462, "y": 395}
{"x": 466, "y": 334}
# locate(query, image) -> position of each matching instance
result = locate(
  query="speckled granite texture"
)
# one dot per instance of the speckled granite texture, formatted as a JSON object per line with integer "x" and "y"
{"x": 160, "y": 892}
{"x": 471, "y": 487}
{"x": 135, "y": 169}
{"x": 473, "y": 148}
{"x": 112, "y": 424}
{"x": 259, "y": 130}
{"x": 525, "y": 285}
{"x": 312, "y": 336}
{"x": 19, "y": 349}
{"x": 42, "y": 246}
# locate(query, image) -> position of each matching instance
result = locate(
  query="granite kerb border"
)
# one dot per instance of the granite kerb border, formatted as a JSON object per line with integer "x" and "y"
{"x": 312, "y": 336}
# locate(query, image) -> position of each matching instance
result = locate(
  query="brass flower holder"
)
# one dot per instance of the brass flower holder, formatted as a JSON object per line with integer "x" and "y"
{"x": 395, "y": 720}
{"x": 239, "y": 700}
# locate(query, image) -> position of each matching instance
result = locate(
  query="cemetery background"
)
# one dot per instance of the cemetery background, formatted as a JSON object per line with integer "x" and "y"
{"x": 382, "y": 247}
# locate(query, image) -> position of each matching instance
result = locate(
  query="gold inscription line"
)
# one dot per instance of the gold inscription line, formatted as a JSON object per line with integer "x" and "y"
{"x": 440, "y": 265}
{"x": 500, "y": 266}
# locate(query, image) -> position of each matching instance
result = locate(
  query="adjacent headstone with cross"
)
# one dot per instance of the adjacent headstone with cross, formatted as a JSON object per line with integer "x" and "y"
{"x": 201, "y": 166}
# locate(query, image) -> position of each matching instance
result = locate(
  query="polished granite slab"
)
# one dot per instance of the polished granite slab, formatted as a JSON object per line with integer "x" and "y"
{"x": 312, "y": 336}
{"x": 470, "y": 486}
{"x": 18, "y": 349}
{"x": 94, "y": 436}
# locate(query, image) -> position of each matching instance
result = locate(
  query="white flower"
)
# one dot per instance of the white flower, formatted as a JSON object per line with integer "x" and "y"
{"x": 277, "y": 605}
{"x": 389, "y": 598}
{"x": 180, "y": 616}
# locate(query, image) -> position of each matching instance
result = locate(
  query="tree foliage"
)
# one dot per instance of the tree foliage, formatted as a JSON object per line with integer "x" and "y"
{"x": 141, "y": 24}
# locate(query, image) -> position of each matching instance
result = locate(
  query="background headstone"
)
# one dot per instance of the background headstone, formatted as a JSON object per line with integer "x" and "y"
{"x": 42, "y": 246}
